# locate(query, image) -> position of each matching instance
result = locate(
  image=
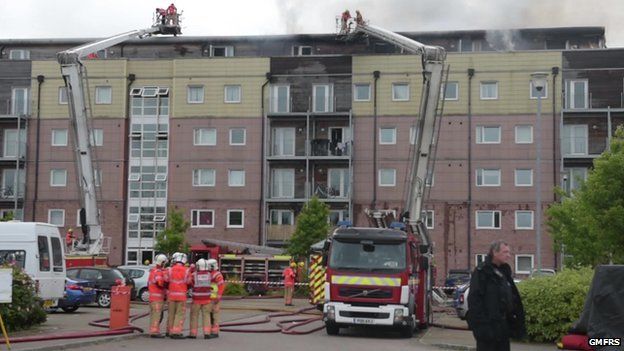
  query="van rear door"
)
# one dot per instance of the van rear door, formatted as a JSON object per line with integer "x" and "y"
{"x": 51, "y": 272}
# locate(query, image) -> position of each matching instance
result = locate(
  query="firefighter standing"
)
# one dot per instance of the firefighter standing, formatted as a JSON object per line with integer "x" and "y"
{"x": 177, "y": 277}
{"x": 157, "y": 290}
{"x": 289, "y": 283}
{"x": 217, "y": 284}
{"x": 69, "y": 238}
{"x": 344, "y": 22}
{"x": 202, "y": 305}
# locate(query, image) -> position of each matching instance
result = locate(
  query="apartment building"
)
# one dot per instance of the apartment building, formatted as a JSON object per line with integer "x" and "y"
{"x": 239, "y": 132}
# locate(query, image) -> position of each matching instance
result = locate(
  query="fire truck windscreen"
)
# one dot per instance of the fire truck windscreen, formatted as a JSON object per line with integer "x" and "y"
{"x": 366, "y": 256}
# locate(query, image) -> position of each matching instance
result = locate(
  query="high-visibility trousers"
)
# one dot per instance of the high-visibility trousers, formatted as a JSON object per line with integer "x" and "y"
{"x": 156, "y": 308}
{"x": 175, "y": 320}
{"x": 215, "y": 316}
{"x": 202, "y": 311}
{"x": 288, "y": 294}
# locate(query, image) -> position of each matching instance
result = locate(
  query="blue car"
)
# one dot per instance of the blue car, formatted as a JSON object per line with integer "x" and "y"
{"x": 78, "y": 292}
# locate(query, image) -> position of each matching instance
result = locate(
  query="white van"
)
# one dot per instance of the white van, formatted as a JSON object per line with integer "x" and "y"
{"x": 39, "y": 250}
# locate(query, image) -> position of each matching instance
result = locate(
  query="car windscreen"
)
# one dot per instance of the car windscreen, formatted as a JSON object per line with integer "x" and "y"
{"x": 367, "y": 256}
{"x": 13, "y": 257}
{"x": 117, "y": 274}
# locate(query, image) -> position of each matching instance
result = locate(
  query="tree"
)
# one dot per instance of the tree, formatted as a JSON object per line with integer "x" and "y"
{"x": 590, "y": 222}
{"x": 312, "y": 226}
{"x": 172, "y": 238}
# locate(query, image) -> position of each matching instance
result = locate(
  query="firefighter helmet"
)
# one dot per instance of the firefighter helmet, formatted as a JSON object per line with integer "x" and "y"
{"x": 160, "y": 260}
{"x": 213, "y": 265}
{"x": 202, "y": 265}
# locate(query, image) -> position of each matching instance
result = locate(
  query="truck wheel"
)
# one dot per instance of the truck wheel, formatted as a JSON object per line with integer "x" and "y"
{"x": 104, "y": 300}
{"x": 331, "y": 329}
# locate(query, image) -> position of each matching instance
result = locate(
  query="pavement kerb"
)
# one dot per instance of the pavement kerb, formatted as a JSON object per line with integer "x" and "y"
{"x": 453, "y": 347}
{"x": 73, "y": 345}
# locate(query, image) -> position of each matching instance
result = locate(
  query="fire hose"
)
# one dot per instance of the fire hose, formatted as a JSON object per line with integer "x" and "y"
{"x": 283, "y": 326}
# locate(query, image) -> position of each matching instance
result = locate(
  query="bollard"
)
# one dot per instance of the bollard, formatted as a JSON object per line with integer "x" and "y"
{"x": 120, "y": 307}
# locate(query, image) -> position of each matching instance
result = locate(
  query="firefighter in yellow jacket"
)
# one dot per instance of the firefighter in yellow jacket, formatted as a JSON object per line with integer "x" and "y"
{"x": 217, "y": 284}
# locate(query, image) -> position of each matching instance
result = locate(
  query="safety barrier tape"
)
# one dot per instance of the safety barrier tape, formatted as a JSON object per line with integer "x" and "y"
{"x": 260, "y": 282}
{"x": 445, "y": 287}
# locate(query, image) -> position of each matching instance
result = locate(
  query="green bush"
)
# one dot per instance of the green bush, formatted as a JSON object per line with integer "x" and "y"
{"x": 234, "y": 289}
{"x": 26, "y": 309}
{"x": 553, "y": 303}
{"x": 302, "y": 291}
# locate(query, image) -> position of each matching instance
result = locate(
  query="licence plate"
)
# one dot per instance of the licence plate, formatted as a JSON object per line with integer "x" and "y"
{"x": 87, "y": 289}
{"x": 48, "y": 303}
{"x": 363, "y": 321}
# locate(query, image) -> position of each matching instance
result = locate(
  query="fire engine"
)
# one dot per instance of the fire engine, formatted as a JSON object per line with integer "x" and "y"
{"x": 382, "y": 275}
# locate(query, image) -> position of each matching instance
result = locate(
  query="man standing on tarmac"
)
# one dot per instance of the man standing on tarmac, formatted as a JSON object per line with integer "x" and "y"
{"x": 177, "y": 277}
{"x": 217, "y": 284}
{"x": 200, "y": 281}
{"x": 289, "y": 283}
{"x": 496, "y": 312}
{"x": 157, "y": 290}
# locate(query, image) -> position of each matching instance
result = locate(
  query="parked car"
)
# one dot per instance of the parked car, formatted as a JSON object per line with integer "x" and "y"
{"x": 78, "y": 292}
{"x": 460, "y": 302}
{"x": 542, "y": 272}
{"x": 140, "y": 275}
{"x": 455, "y": 278}
{"x": 104, "y": 279}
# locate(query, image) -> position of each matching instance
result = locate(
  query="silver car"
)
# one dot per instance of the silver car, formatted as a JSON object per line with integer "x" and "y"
{"x": 140, "y": 274}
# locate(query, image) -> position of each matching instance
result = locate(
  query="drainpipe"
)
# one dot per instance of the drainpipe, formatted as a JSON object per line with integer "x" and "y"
{"x": 555, "y": 72}
{"x": 40, "y": 80}
{"x": 126, "y": 152}
{"x": 376, "y": 75}
{"x": 471, "y": 73}
{"x": 263, "y": 150}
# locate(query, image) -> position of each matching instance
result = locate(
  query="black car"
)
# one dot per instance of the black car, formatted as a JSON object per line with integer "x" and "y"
{"x": 455, "y": 278}
{"x": 104, "y": 278}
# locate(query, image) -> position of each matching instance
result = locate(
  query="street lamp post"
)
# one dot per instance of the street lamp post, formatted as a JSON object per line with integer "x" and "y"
{"x": 538, "y": 80}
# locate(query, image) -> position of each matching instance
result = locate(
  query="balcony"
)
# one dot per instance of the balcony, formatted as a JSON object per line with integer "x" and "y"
{"x": 7, "y": 194}
{"x": 278, "y": 232}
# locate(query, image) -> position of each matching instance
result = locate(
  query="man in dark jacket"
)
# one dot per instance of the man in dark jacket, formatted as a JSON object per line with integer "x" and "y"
{"x": 495, "y": 312}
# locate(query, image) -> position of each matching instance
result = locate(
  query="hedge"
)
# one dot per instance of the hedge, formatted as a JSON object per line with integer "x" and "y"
{"x": 26, "y": 309}
{"x": 553, "y": 303}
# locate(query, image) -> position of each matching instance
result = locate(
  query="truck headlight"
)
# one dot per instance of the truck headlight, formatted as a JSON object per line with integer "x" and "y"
{"x": 398, "y": 315}
{"x": 331, "y": 312}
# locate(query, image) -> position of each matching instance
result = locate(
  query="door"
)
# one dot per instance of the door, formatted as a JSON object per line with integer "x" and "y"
{"x": 8, "y": 184}
{"x": 339, "y": 138}
{"x": 58, "y": 267}
{"x": 44, "y": 268}
{"x": 338, "y": 183}
{"x": 284, "y": 142}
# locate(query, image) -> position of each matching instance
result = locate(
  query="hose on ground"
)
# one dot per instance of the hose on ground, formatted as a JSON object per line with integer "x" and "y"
{"x": 283, "y": 326}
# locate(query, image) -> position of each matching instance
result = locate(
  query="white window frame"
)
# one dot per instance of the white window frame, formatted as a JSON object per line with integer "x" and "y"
{"x": 517, "y": 227}
{"x": 344, "y": 186}
{"x": 98, "y": 97}
{"x": 297, "y": 50}
{"x": 532, "y": 91}
{"x": 242, "y": 225}
{"x": 189, "y": 95}
{"x": 393, "y": 141}
{"x": 52, "y": 177}
{"x": 570, "y": 136}
{"x": 443, "y": 91}
{"x": 230, "y": 171}
{"x": 199, "y": 170}
{"x": 275, "y": 98}
{"x": 198, "y": 133}
{"x": 225, "y": 93}
{"x": 412, "y": 135}
{"x": 517, "y": 127}
{"x": 6, "y": 142}
{"x": 394, "y": 95}
{"x": 482, "y": 171}
{"x": 429, "y": 218}
{"x": 14, "y": 108}
{"x": 96, "y": 136}
{"x": 198, "y": 225}
{"x": 573, "y": 182}
{"x": 430, "y": 181}
{"x": 524, "y": 256}
{"x": 570, "y": 94}
{"x": 279, "y": 145}
{"x": 228, "y": 50}
{"x": 480, "y": 135}
{"x": 494, "y": 215}
{"x": 382, "y": 170}
{"x": 244, "y": 136}
{"x": 50, "y": 216}
{"x": 328, "y": 96}
{"x": 516, "y": 177}
{"x": 481, "y": 90}
{"x": 55, "y": 132}
{"x": 278, "y": 213}
{"x": 479, "y": 258}
{"x": 355, "y": 90}
{"x": 62, "y": 96}
{"x": 280, "y": 192}
{"x": 19, "y": 54}
{"x": 8, "y": 184}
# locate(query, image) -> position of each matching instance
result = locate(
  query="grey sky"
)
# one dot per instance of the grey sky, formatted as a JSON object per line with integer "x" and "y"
{"x": 101, "y": 18}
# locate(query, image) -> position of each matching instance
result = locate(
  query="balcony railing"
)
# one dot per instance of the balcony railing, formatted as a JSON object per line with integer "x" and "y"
{"x": 8, "y": 193}
{"x": 278, "y": 232}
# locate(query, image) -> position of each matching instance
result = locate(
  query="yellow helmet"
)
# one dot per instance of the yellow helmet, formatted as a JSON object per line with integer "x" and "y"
{"x": 71, "y": 230}
{"x": 293, "y": 265}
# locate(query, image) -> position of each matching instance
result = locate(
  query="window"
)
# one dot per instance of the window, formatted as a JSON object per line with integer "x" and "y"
{"x": 524, "y": 219}
{"x": 488, "y": 177}
{"x": 236, "y": 177}
{"x": 283, "y": 183}
{"x": 576, "y": 177}
{"x": 44, "y": 253}
{"x": 524, "y": 134}
{"x": 412, "y": 135}
{"x": 479, "y": 258}
{"x": 361, "y": 92}
{"x": 204, "y": 177}
{"x": 488, "y": 219}
{"x": 576, "y": 94}
{"x": 202, "y": 218}
{"x": 11, "y": 144}
{"x": 19, "y": 55}
{"x": 489, "y": 90}
{"x": 8, "y": 183}
{"x": 58, "y": 177}
{"x": 282, "y": 217}
{"x": 237, "y": 136}
{"x": 97, "y": 177}
{"x": 19, "y": 101}
{"x": 400, "y": 92}
{"x": 133, "y": 257}
{"x": 336, "y": 216}
{"x": 338, "y": 182}
{"x": 574, "y": 139}
{"x": 62, "y": 96}
{"x": 235, "y": 218}
{"x": 488, "y": 134}
{"x": 322, "y": 96}
{"x": 450, "y": 91}
{"x": 56, "y": 217}
{"x": 387, "y": 177}
{"x": 57, "y": 254}
{"x": 232, "y": 94}
{"x": 524, "y": 264}
{"x": 523, "y": 177}
{"x": 195, "y": 94}
{"x": 301, "y": 50}
{"x": 430, "y": 178}
{"x": 429, "y": 218}
{"x": 222, "y": 51}
{"x": 97, "y": 137}
{"x": 59, "y": 137}
{"x": 387, "y": 136}
{"x": 283, "y": 141}
{"x": 205, "y": 136}
{"x": 534, "y": 94}
{"x": 103, "y": 95}
{"x": 280, "y": 98}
